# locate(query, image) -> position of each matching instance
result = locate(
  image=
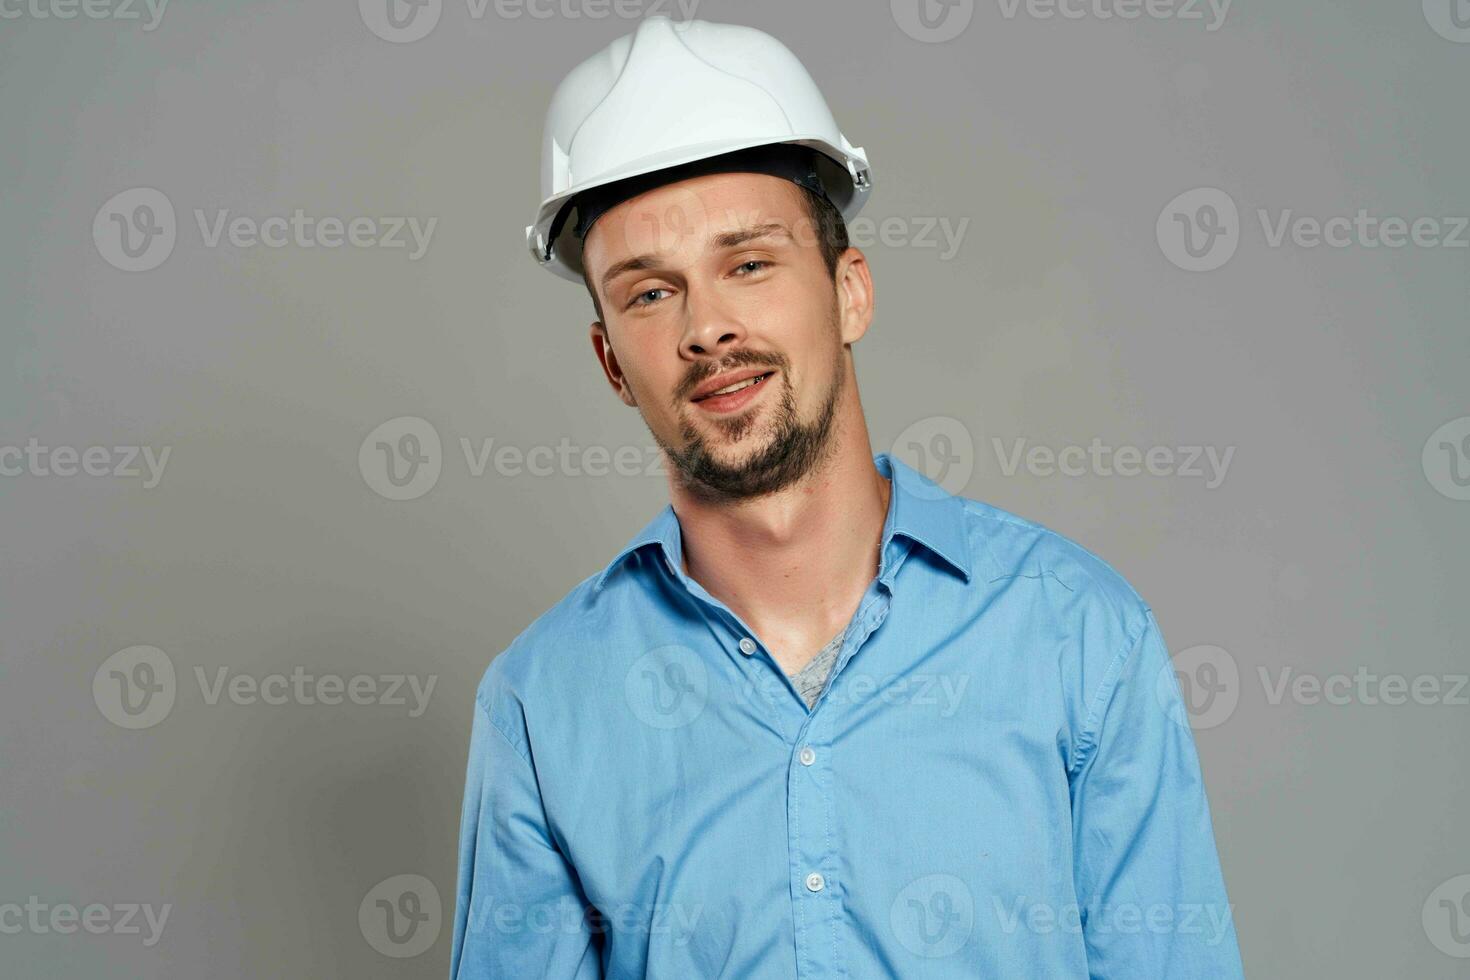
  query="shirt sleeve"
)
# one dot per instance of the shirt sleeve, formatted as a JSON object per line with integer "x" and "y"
{"x": 1149, "y": 885}
{"x": 519, "y": 909}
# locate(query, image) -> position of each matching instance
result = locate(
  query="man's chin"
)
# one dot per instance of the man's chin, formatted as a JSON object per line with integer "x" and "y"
{"x": 729, "y": 456}
{"x": 728, "y": 434}
{"x": 756, "y": 467}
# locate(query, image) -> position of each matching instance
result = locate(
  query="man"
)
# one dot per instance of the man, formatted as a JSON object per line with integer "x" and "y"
{"x": 820, "y": 718}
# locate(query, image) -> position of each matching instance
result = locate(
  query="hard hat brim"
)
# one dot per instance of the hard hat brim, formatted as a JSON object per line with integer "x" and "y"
{"x": 846, "y": 179}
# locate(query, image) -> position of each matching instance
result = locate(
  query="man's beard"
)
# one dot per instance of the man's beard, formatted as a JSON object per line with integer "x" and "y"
{"x": 795, "y": 448}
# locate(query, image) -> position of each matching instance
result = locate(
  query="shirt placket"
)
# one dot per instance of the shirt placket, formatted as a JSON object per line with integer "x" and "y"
{"x": 816, "y": 868}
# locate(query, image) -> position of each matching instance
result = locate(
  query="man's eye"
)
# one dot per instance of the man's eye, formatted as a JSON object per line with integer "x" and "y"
{"x": 638, "y": 300}
{"x": 759, "y": 263}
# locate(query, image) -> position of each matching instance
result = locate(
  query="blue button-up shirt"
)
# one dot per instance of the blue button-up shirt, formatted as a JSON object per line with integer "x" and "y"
{"x": 999, "y": 779}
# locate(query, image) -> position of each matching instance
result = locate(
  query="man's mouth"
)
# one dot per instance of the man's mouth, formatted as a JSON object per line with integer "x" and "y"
{"x": 737, "y": 386}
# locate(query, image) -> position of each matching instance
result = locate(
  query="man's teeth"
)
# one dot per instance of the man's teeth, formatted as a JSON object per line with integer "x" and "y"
{"x": 737, "y": 386}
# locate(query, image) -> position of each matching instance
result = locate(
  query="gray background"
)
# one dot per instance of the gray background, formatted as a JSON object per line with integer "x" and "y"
{"x": 1328, "y": 549}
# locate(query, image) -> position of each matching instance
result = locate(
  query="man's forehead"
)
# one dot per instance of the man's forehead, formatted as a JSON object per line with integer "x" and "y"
{"x": 696, "y": 213}
{"x": 713, "y": 194}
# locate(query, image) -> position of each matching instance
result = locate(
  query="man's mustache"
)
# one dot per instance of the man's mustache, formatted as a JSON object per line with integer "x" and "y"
{"x": 703, "y": 373}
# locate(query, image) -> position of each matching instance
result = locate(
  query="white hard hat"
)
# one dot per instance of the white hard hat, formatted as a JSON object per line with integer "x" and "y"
{"x": 675, "y": 92}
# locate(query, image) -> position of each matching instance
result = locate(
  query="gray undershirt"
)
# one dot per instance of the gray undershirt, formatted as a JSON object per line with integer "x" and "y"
{"x": 810, "y": 680}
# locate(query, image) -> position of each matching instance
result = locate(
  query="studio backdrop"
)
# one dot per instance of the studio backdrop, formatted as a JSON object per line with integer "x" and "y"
{"x": 295, "y": 437}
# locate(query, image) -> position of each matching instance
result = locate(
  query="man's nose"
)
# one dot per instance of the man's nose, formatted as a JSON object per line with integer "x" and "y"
{"x": 711, "y": 327}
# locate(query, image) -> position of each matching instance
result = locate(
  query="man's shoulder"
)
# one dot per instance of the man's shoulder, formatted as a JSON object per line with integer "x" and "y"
{"x": 548, "y": 647}
{"x": 1061, "y": 598}
{"x": 1005, "y": 546}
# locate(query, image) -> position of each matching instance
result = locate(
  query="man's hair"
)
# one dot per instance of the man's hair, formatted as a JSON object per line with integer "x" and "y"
{"x": 830, "y": 228}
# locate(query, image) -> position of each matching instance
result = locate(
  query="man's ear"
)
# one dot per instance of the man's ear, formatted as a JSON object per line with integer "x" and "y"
{"x": 608, "y": 358}
{"x": 854, "y": 294}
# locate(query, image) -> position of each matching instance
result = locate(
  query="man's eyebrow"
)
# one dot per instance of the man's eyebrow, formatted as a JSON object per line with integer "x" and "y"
{"x": 740, "y": 236}
{"x": 724, "y": 240}
{"x": 628, "y": 265}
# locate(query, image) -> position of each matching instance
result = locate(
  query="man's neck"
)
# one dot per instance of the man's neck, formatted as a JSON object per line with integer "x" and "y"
{"x": 794, "y": 564}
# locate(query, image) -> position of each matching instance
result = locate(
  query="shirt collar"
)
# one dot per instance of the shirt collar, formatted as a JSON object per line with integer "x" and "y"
{"x": 918, "y": 509}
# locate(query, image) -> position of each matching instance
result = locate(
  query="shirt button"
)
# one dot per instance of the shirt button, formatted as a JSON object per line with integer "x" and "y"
{"x": 815, "y": 882}
{"x": 807, "y": 756}
{"x": 747, "y": 645}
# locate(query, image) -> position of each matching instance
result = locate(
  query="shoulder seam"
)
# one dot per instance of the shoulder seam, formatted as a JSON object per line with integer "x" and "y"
{"x": 1087, "y": 741}
{"x": 1012, "y": 520}
{"x": 495, "y": 724}
{"x": 1088, "y": 572}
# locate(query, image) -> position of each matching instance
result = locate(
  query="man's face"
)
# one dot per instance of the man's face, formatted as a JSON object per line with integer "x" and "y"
{"x": 717, "y": 280}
